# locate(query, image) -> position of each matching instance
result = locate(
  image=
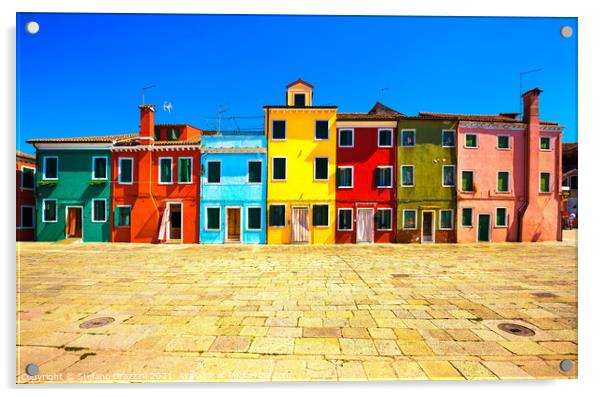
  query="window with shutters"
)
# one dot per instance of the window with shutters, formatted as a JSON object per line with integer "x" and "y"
{"x": 470, "y": 141}
{"x": 467, "y": 217}
{"x": 165, "y": 170}
{"x": 384, "y": 176}
{"x": 503, "y": 142}
{"x": 345, "y": 177}
{"x": 384, "y": 219}
{"x": 545, "y": 143}
{"x": 212, "y": 218}
{"x": 214, "y": 172}
{"x": 125, "y": 173}
{"x": 185, "y": 170}
{"x": 407, "y": 175}
{"x": 277, "y": 216}
{"x": 279, "y": 168}
{"x": 446, "y": 219}
{"x": 254, "y": 171}
{"x": 503, "y": 181}
{"x": 409, "y": 219}
{"x": 321, "y": 130}
{"x": 121, "y": 217}
{"x": 321, "y": 168}
{"x": 320, "y": 215}
{"x": 157, "y": 134}
{"x": 253, "y": 218}
{"x": 345, "y": 219}
{"x": 173, "y": 133}
{"x": 501, "y": 217}
{"x": 467, "y": 181}
{"x": 48, "y": 210}
{"x": 544, "y": 182}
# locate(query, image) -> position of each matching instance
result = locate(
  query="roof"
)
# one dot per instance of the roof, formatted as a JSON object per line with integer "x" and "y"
{"x": 175, "y": 125}
{"x": 569, "y": 146}
{"x": 234, "y": 150}
{"x": 379, "y": 112}
{"x": 299, "y": 81}
{"x": 496, "y": 118}
{"x": 192, "y": 141}
{"x": 380, "y": 108}
{"x": 85, "y": 139}
{"x": 25, "y": 156}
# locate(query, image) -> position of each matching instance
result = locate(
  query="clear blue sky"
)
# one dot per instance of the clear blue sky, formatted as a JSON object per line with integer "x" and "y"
{"x": 81, "y": 74}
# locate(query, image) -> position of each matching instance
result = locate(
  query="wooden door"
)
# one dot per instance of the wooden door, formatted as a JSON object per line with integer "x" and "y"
{"x": 365, "y": 225}
{"x": 484, "y": 226}
{"x": 233, "y": 222}
{"x": 428, "y": 226}
{"x": 73, "y": 226}
{"x": 300, "y": 224}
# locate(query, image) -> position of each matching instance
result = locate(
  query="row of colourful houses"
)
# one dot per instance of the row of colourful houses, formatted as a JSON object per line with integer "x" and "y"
{"x": 315, "y": 175}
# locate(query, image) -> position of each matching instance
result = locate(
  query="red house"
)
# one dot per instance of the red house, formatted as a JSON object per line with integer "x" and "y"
{"x": 26, "y": 200}
{"x": 366, "y": 187}
{"x": 155, "y": 183}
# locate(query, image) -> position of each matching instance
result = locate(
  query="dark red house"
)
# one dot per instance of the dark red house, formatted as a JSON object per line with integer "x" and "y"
{"x": 26, "y": 200}
{"x": 366, "y": 183}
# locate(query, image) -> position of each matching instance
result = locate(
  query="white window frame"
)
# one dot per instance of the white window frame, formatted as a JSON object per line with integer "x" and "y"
{"x": 497, "y": 174}
{"x": 391, "y": 132}
{"x": 476, "y": 137}
{"x": 56, "y": 211}
{"x": 327, "y": 168}
{"x": 285, "y": 169}
{"x": 33, "y": 217}
{"x": 451, "y": 218}
{"x": 285, "y": 131}
{"x": 443, "y": 131}
{"x": 453, "y": 167}
{"x": 316, "y": 130}
{"x": 44, "y": 159}
{"x": 549, "y": 181}
{"x": 471, "y": 216}
{"x": 352, "y": 138}
{"x": 550, "y": 142}
{"x": 339, "y": 215}
{"x": 390, "y": 186}
{"x": 34, "y": 177}
{"x": 160, "y": 170}
{"x": 312, "y": 216}
{"x": 191, "y": 170}
{"x": 401, "y": 175}
{"x": 92, "y": 211}
{"x": 352, "y": 172}
{"x": 220, "y": 172}
{"x": 413, "y": 130}
{"x": 207, "y": 208}
{"x": 94, "y": 168}
{"x": 260, "y": 174}
{"x": 391, "y": 212}
{"x": 120, "y": 173}
{"x": 247, "y": 228}
{"x": 473, "y": 181}
{"x": 497, "y": 146}
{"x": 124, "y": 206}
{"x": 403, "y": 219}
{"x": 268, "y": 219}
{"x": 505, "y": 225}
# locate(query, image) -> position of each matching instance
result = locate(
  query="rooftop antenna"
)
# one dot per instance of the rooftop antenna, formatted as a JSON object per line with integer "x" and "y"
{"x": 148, "y": 87}
{"x": 167, "y": 107}
{"x": 233, "y": 118}
{"x": 382, "y": 93}
{"x": 222, "y": 109}
{"x": 520, "y": 89}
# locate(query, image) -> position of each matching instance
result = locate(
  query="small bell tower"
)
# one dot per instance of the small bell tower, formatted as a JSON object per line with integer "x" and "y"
{"x": 299, "y": 93}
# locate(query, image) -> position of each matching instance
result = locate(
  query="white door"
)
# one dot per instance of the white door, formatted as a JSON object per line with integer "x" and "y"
{"x": 365, "y": 225}
{"x": 300, "y": 224}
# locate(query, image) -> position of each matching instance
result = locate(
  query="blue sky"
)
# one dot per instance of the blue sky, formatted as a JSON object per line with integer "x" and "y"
{"x": 81, "y": 74}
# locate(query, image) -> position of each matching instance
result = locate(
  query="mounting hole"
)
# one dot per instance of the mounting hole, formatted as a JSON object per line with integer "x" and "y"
{"x": 566, "y": 365}
{"x": 32, "y": 27}
{"x": 566, "y": 31}
{"x": 32, "y": 369}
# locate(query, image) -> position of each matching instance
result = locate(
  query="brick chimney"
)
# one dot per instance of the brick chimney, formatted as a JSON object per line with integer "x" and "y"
{"x": 147, "y": 124}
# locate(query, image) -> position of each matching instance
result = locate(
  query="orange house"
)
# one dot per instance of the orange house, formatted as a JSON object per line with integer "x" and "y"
{"x": 155, "y": 187}
{"x": 26, "y": 199}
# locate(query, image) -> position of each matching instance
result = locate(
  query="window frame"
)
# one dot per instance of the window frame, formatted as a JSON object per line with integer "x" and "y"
{"x": 403, "y": 219}
{"x": 549, "y": 138}
{"x": 92, "y": 210}
{"x": 471, "y": 216}
{"x": 220, "y": 172}
{"x": 56, "y": 211}
{"x": 390, "y": 167}
{"x": 339, "y": 216}
{"x": 272, "y": 131}
{"x": 352, "y": 172}
{"x": 391, "y": 132}
{"x": 549, "y": 182}
{"x": 453, "y": 167}
{"x": 247, "y": 228}
{"x": 476, "y": 146}
{"x": 160, "y": 173}
{"x": 123, "y": 206}
{"x": 505, "y": 225}
{"x": 316, "y": 130}
{"x": 327, "y": 168}
{"x": 284, "y": 212}
{"x": 571, "y": 182}
{"x": 413, "y": 175}
{"x": 285, "y": 169}
{"x": 33, "y": 217}
{"x": 451, "y": 218}
{"x": 327, "y": 215}
{"x": 94, "y": 178}
{"x": 120, "y": 173}
{"x": 23, "y": 167}
{"x": 44, "y": 161}
{"x": 191, "y": 170}
{"x": 352, "y": 137}
{"x": 412, "y": 130}
{"x": 295, "y": 93}
{"x": 498, "y": 178}
{"x": 206, "y": 223}
{"x": 443, "y": 131}
{"x": 509, "y": 142}
{"x": 390, "y": 210}
{"x": 473, "y": 181}
{"x": 260, "y": 172}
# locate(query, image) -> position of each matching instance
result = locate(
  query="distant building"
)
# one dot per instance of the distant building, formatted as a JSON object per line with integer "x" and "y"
{"x": 570, "y": 156}
{"x": 26, "y": 200}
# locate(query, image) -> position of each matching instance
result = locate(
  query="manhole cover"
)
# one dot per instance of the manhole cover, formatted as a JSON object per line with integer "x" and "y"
{"x": 96, "y": 322}
{"x": 544, "y": 295}
{"x": 516, "y": 329}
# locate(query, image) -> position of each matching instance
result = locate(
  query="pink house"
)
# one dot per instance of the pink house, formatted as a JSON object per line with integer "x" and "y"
{"x": 509, "y": 176}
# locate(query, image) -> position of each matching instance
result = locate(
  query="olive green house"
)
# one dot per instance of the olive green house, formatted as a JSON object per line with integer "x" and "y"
{"x": 426, "y": 188}
{"x": 73, "y": 188}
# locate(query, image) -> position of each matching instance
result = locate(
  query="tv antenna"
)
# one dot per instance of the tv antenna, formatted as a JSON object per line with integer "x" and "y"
{"x": 167, "y": 107}
{"x": 382, "y": 93}
{"x": 222, "y": 109}
{"x": 148, "y": 87}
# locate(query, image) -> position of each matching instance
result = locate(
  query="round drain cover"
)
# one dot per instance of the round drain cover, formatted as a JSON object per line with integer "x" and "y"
{"x": 516, "y": 329}
{"x": 96, "y": 322}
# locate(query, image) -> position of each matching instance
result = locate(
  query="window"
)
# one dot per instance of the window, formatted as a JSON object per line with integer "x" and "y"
{"x": 407, "y": 175}
{"x": 383, "y": 219}
{"x": 544, "y": 143}
{"x": 157, "y": 134}
{"x": 299, "y": 99}
{"x": 99, "y": 210}
{"x": 470, "y": 140}
{"x": 277, "y": 215}
{"x": 99, "y": 168}
{"x": 409, "y": 219}
{"x": 254, "y": 218}
{"x": 214, "y": 171}
{"x": 51, "y": 168}
{"x": 385, "y": 138}
{"x": 27, "y": 177}
{"x": 449, "y": 175}
{"x": 49, "y": 211}
{"x": 121, "y": 217}
{"x": 345, "y": 138}
{"x": 384, "y": 176}
{"x": 185, "y": 170}
{"x": 320, "y": 215}
{"x": 467, "y": 217}
{"x": 345, "y": 177}
{"x": 467, "y": 181}
{"x": 446, "y": 219}
{"x": 279, "y": 168}
{"x": 573, "y": 182}
{"x": 173, "y": 133}
{"x": 27, "y": 216}
{"x": 321, "y": 132}
{"x": 165, "y": 170}
{"x": 213, "y": 216}
{"x": 279, "y": 130}
{"x": 503, "y": 181}
{"x": 448, "y": 138}
{"x": 345, "y": 219}
{"x": 408, "y": 138}
{"x": 126, "y": 171}
{"x": 501, "y": 217}
{"x": 544, "y": 182}
{"x": 321, "y": 168}
{"x": 254, "y": 171}
{"x": 503, "y": 142}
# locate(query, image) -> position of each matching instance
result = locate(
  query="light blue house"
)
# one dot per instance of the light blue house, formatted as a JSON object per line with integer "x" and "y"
{"x": 233, "y": 189}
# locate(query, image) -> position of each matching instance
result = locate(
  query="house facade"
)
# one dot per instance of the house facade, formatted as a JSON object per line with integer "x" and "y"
{"x": 366, "y": 177}
{"x": 233, "y": 189}
{"x": 570, "y": 155}
{"x": 25, "y": 197}
{"x": 426, "y": 182}
{"x": 156, "y": 183}
{"x": 301, "y": 142}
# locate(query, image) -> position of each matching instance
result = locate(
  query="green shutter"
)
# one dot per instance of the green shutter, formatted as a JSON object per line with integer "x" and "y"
{"x": 544, "y": 184}
{"x": 500, "y": 219}
{"x": 254, "y": 215}
{"x": 255, "y": 171}
{"x": 466, "y": 216}
{"x": 165, "y": 170}
{"x": 213, "y": 221}
{"x": 125, "y": 170}
{"x": 184, "y": 166}
{"x": 502, "y": 181}
{"x": 116, "y": 216}
{"x": 467, "y": 184}
{"x": 214, "y": 174}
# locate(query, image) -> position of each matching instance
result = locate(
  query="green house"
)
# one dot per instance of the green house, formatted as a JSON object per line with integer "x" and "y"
{"x": 73, "y": 189}
{"x": 426, "y": 183}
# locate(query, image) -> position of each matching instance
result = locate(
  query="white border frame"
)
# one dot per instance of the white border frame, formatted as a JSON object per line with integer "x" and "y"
{"x": 443, "y": 166}
{"x": 160, "y": 173}
{"x": 339, "y": 138}
{"x": 472, "y": 211}
{"x": 285, "y": 169}
{"x": 403, "y": 218}
{"x": 219, "y": 229}
{"x": 376, "y": 219}
{"x": 352, "y": 175}
{"x": 119, "y": 168}
{"x": 44, "y": 158}
{"x": 316, "y": 139}
{"x": 92, "y": 211}
{"x": 497, "y": 145}
{"x": 392, "y": 136}
{"x": 390, "y": 186}
{"x": 220, "y": 172}
{"x": 477, "y": 140}
{"x": 327, "y": 168}
{"x": 549, "y": 138}
{"x": 56, "y": 211}
{"x": 339, "y": 215}
{"x": 81, "y": 207}
{"x": 506, "y": 218}
{"x": 549, "y": 182}
{"x": 247, "y": 219}
{"x": 451, "y": 218}
{"x": 401, "y": 175}
{"x": 191, "y": 170}
{"x": 168, "y": 204}
{"x": 123, "y": 206}
{"x": 473, "y": 181}
{"x": 106, "y": 178}
{"x": 497, "y": 177}
{"x": 433, "y": 226}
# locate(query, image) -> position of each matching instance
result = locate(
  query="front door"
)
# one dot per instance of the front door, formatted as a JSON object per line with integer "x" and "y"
{"x": 73, "y": 226}
{"x": 484, "y": 227}
{"x": 175, "y": 221}
{"x": 428, "y": 226}
{"x": 233, "y": 224}
{"x": 300, "y": 224}
{"x": 365, "y": 225}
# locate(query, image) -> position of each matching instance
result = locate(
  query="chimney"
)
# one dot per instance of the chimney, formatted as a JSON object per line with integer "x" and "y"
{"x": 531, "y": 106}
{"x": 147, "y": 124}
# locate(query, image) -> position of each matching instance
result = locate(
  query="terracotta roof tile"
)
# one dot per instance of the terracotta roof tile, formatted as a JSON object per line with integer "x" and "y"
{"x": 25, "y": 156}
{"x": 85, "y": 139}
{"x": 299, "y": 81}
{"x": 496, "y": 118}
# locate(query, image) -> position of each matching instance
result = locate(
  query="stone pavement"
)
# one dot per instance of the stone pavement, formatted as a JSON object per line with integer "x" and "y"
{"x": 281, "y": 313}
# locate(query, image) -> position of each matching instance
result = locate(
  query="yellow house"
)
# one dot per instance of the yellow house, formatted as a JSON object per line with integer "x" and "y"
{"x": 301, "y": 169}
